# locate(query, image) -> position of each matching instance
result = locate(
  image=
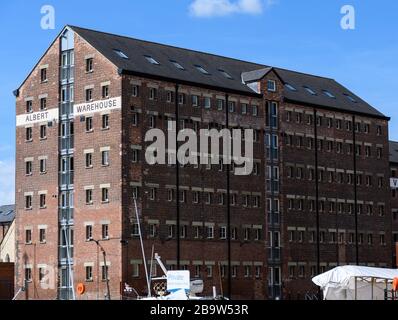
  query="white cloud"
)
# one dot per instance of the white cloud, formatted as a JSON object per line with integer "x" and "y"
{"x": 213, "y": 8}
{"x": 7, "y": 182}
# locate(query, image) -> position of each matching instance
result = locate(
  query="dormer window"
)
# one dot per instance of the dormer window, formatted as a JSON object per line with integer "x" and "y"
{"x": 177, "y": 65}
{"x": 290, "y": 87}
{"x": 271, "y": 85}
{"x": 351, "y": 98}
{"x": 310, "y": 91}
{"x": 151, "y": 60}
{"x": 201, "y": 69}
{"x": 225, "y": 74}
{"x": 329, "y": 94}
{"x": 121, "y": 54}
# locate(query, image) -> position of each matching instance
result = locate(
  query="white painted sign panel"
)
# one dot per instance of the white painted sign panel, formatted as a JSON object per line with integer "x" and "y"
{"x": 37, "y": 117}
{"x": 178, "y": 280}
{"x": 97, "y": 106}
{"x": 394, "y": 183}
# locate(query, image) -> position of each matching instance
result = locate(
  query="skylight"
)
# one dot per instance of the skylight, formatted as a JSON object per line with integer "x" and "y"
{"x": 352, "y": 99}
{"x": 290, "y": 87}
{"x": 121, "y": 54}
{"x": 225, "y": 73}
{"x": 177, "y": 65}
{"x": 329, "y": 94}
{"x": 151, "y": 60}
{"x": 310, "y": 91}
{"x": 201, "y": 69}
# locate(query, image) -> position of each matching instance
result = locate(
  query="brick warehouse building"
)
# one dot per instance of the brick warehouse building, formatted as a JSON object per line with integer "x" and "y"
{"x": 321, "y": 164}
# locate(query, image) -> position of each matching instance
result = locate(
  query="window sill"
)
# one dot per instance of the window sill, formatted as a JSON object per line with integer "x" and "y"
{"x": 43, "y": 173}
{"x": 43, "y": 139}
{"x": 88, "y": 72}
{"x": 28, "y": 175}
{"x": 104, "y": 202}
{"x": 43, "y": 242}
{"x": 89, "y": 204}
{"x": 28, "y": 209}
{"x": 29, "y": 141}
{"x": 42, "y": 208}
{"x": 89, "y": 280}
{"x": 89, "y": 131}
{"x": 105, "y": 165}
{"x": 28, "y": 244}
{"x": 89, "y": 167}
{"x": 44, "y": 81}
{"x": 105, "y": 129}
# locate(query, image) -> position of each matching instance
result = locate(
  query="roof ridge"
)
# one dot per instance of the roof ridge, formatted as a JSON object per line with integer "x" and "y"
{"x": 172, "y": 46}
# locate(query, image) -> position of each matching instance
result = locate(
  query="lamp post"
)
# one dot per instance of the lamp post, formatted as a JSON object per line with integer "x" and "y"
{"x": 108, "y": 295}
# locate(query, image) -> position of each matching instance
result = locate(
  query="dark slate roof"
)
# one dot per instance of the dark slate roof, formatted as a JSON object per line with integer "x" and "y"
{"x": 394, "y": 151}
{"x": 7, "y": 214}
{"x": 255, "y": 75}
{"x": 136, "y": 50}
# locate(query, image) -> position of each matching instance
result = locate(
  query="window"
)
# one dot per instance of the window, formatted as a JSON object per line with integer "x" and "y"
{"x": 105, "y": 92}
{"x": 151, "y": 60}
{"x": 244, "y": 108}
{"x": 89, "y": 160}
{"x": 105, "y": 158}
{"x": 357, "y": 127}
{"x": 197, "y": 232}
{"x": 220, "y": 104}
{"x": 329, "y": 94}
{"x": 271, "y": 85}
{"x": 177, "y": 65}
{"x": 89, "y": 124}
{"x": 29, "y": 106}
{"x": 370, "y": 239}
{"x": 225, "y": 74}
{"x": 207, "y": 103}
{"x": 120, "y": 53}
{"x": 310, "y": 91}
{"x": 153, "y": 94}
{"x": 382, "y": 239}
{"x": 182, "y": 195}
{"x": 301, "y": 272}
{"x": 43, "y": 75}
{"x": 350, "y": 98}
{"x": 89, "y": 95}
{"x": 210, "y": 232}
{"x": 257, "y": 234}
{"x": 135, "y": 156}
{"x": 42, "y": 235}
{"x": 89, "y": 273}
{"x": 246, "y": 234}
{"x": 43, "y": 132}
{"x": 170, "y": 195}
{"x": 28, "y": 168}
{"x": 299, "y": 117}
{"x": 152, "y": 230}
{"x": 378, "y": 130}
{"x": 134, "y": 119}
{"x": 290, "y": 87}
{"x": 135, "y": 230}
{"x": 181, "y": 98}
{"x": 152, "y": 194}
{"x": 89, "y": 64}
{"x": 105, "y": 195}
{"x": 152, "y": 122}
{"x": 366, "y": 128}
{"x": 195, "y": 101}
{"x": 29, "y": 134}
{"x": 202, "y": 70}
{"x": 41, "y": 274}
{"x": 248, "y": 271}
{"x": 28, "y": 274}
{"x": 221, "y": 198}
{"x": 368, "y": 151}
{"x": 43, "y": 166}
{"x": 223, "y": 233}
{"x": 209, "y": 271}
{"x": 105, "y": 232}
{"x": 104, "y": 275}
{"x": 28, "y": 202}
{"x": 338, "y": 124}
{"x": 89, "y": 232}
{"x": 195, "y": 197}
{"x": 379, "y": 153}
{"x": 169, "y": 96}
{"x": 136, "y": 91}
{"x": 28, "y": 236}
{"x": 255, "y": 111}
{"x": 232, "y": 106}
{"x": 42, "y": 201}
{"x": 43, "y": 104}
{"x": 208, "y": 198}
{"x": 89, "y": 196}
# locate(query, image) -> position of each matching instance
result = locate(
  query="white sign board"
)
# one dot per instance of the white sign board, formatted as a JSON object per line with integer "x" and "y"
{"x": 37, "y": 117}
{"x": 394, "y": 183}
{"x": 97, "y": 106}
{"x": 178, "y": 280}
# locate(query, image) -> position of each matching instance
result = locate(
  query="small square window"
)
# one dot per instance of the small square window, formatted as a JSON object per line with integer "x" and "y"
{"x": 105, "y": 195}
{"x": 105, "y": 232}
{"x": 136, "y": 91}
{"x": 29, "y": 106}
{"x": 43, "y": 104}
{"x": 42, "y": 235}
{"x": 42, "y": 201}
{"x": 89, "y": 95}
{"x": 89, "y": 124}
{"x": 105, "y": 121}
{"x": 43, "y": 132}
{"x": 105, "y": 158}
{"x": 105, "y": 92}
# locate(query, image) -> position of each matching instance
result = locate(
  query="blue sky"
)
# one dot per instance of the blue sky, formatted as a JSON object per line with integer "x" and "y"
{"x": 301, "y": 35}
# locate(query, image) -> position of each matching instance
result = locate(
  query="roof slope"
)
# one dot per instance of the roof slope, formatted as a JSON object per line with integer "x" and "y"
{"x": 394, "y": 151}
{"x": 7, "y": 214}
{"x": 136, "y": 50}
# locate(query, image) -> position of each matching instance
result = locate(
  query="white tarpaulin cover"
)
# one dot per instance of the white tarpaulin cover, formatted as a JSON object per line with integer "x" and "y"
{"x": 339, "y": 283}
